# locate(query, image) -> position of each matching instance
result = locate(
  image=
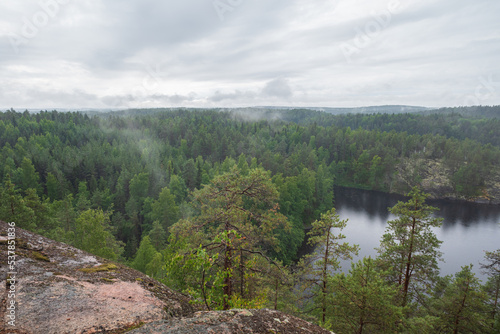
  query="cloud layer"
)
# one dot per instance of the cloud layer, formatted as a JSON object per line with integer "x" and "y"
{"x": 228, "y": 53}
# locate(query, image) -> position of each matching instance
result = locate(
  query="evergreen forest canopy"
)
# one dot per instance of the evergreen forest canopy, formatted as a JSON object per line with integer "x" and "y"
{"x": 218, "y": 203}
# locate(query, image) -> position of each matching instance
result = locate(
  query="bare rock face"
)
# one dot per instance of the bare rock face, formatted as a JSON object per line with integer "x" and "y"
{"x": 59, "y": 289}
{"x": 434, "y": 178}
{"x": 233, "y": 321}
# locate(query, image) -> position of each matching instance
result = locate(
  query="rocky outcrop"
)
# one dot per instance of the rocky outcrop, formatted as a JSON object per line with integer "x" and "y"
{"x": 233, "y": 321}
{"x": 434, "y": 178}
{"x": 60, "y": 289}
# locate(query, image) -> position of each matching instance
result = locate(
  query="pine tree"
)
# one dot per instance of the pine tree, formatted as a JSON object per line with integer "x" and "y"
{"x": 42, "y": 216}
{"x": 164, "y": 210}
{"x": 178, "y": 188}
{"x": 28, "y": 176}
{"x": 138, "y": 188}
{"x": 158, "y": 236}
{"x": 323, "y": 195}
{"x": 83, "y": 197}
{"x": 409, "y": 249}
{"x": 462, "y": 308}
{"x": 144, "y": 255}
{"x": 13, "y": 206}
{"x": 92, "y": 234}
{"x": 492, "y": 286}
{"x": 189, "y": 174}
{"x": 65, "y": 212}
{"x": 243, "y": 165}
{"x": 53, "y": 187}
{"x": 237, "y": 222}
{"x": 492, "y": 290}
{"x": 364, "y": 301}
{"x": 319, "y": 266}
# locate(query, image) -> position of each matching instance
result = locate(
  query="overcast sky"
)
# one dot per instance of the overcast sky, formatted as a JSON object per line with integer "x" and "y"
{"x": 235, "y": 53}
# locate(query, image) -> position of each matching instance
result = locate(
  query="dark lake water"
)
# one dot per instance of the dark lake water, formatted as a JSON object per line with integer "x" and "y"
{"x": 468, "y": 229}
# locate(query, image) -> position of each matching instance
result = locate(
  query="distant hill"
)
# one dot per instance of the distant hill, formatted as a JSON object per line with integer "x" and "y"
{"x": 473, "y": 111}
{"x": 386, "y": 109}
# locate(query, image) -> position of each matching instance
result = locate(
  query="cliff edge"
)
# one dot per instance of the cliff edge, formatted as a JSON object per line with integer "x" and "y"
{"x": 51, "y": 287}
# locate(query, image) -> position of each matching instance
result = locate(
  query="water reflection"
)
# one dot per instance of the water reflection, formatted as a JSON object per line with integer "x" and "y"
{"x": 466, "y": 214}
{"x": 468, "y": 228}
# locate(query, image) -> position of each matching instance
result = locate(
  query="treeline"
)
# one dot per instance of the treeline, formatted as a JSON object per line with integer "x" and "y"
{"x": 133, "y": 166}
{"x": 451, "y": 125}
{"x": 472, "y": 111}
{"x": 137, "y": 170}
{"x": 481, "y": 124}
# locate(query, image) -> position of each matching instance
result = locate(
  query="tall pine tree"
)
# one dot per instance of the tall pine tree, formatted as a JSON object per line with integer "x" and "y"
{"x": 410, "y": 249}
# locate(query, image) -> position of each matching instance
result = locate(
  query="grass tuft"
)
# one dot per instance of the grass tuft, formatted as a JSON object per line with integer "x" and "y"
{"x": 39, "y": 256}
{"x": 102, "y": 267}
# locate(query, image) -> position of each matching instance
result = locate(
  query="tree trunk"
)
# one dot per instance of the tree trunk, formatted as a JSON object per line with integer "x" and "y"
{"x": 276, "y": 294}
{"x": 495, "y": 304}
{"x": 203, "y": 290}
{"x": 401, "y": 267}
{"x": 325, "y": 268}
{"x": 228, "y": 289}
{"x": 457, "y": 316}
{"x": 361, "y": 325}
{"x": 363, "y": 305}
{"x": 408, "y": 264}
{"x": 242, "y": 279}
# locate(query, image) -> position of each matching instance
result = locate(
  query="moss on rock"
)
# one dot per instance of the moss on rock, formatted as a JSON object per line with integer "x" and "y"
{"x": 102, "y": 267}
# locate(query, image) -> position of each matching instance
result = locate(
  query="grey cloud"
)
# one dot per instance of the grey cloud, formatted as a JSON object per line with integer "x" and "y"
{"x": 278, "y": 88}
{"x": 271, "y": 52}
{"x": 237, "y": 95}
{"x": 18, "y": 98}
{"x": 178, "y": 99}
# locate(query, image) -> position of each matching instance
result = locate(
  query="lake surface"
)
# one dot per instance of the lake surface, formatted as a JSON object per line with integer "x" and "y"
{"x": 468, "y": 228}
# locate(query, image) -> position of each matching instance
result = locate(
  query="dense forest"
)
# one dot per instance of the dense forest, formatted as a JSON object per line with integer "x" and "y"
{"x": 217, "y": 204}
